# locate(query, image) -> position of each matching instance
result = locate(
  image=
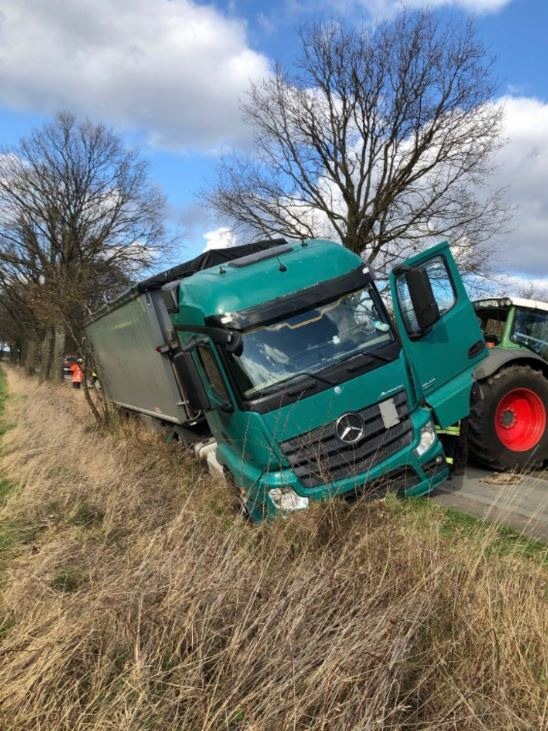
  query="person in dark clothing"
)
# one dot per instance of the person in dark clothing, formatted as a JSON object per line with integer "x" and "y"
{"x": 455, "y": 444}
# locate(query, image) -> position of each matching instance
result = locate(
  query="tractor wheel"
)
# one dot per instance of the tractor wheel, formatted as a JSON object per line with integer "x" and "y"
{"x": 508, "y": 421}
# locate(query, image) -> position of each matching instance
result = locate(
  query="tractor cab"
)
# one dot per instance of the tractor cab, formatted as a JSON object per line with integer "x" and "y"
{"x": 512, "y": 322}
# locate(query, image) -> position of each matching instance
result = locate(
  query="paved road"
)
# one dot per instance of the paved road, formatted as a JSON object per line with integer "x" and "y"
{"x": 522, "y": 504}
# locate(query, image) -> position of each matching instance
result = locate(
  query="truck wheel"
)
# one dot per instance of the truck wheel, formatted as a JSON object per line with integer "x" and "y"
{"x": 509, "y": 418}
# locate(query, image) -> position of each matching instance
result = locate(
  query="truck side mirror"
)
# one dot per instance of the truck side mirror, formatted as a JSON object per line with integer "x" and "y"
{"x": 230, "y": 340}
{"x": 422, "y": 298}
{"x": 236, "y": 344}
{"x": 190, "y": 380}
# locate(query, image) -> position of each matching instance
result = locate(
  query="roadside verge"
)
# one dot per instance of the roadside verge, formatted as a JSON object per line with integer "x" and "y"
{"x": 136, "y": 598}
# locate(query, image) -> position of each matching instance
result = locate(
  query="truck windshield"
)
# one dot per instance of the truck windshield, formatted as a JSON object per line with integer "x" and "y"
{"x": 309, "y": 342}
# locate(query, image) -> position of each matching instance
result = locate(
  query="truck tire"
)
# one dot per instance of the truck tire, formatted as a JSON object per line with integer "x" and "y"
{"x": 508, "y": 420}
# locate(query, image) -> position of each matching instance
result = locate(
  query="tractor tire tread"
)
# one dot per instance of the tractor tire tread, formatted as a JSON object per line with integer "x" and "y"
{"x": 482, "y": 440}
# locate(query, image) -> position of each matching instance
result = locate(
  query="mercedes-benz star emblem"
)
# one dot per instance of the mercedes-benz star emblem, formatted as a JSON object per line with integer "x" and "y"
{"x": 350, "y": 428}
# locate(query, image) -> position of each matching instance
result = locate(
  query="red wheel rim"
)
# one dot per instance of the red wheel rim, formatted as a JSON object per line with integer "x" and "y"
{"x": 520, "y": 419}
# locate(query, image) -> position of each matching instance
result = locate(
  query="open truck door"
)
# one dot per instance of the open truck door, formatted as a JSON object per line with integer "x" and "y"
{"x": 439, "y": 331}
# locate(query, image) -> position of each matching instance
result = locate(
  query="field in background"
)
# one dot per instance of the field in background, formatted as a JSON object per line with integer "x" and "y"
{"x": 133, "y": 597}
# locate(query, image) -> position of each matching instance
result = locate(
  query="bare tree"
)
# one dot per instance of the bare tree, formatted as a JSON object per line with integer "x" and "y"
{"x": 382, "y": 139}
{"x": 78, "y": 215}
{"x": 19, "y": 326}
{"x": 15, "y": 321}
{"x": 533, "y": 291}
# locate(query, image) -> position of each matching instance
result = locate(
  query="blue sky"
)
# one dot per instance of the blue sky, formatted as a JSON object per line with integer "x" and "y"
{"x": 167, "y": 75}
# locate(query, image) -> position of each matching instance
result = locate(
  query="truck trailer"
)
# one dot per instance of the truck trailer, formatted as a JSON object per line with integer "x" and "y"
{"x": 282, "y": 359}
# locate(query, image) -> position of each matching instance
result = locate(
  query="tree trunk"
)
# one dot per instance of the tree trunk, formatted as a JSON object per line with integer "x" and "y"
{"x": 16, "y": 350}
{"x": 58, "y": 355}
{"x": 30, "y": 350}
{"x": 46, "y": 354}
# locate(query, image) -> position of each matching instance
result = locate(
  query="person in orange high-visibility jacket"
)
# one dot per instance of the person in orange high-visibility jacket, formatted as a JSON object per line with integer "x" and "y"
{"x": 77, "y": 374}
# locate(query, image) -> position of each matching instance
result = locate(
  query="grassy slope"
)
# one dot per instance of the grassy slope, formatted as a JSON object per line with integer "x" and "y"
{"x": 134, "y": 598}
{"x": 5, "y": 532}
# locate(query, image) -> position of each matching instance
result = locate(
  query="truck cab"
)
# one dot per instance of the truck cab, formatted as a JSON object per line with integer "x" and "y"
{"x": 309, "y": 388}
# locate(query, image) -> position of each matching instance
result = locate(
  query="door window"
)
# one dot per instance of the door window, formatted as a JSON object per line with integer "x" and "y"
{"x": 442, "y": 289}
{"x": 213, "y": 373}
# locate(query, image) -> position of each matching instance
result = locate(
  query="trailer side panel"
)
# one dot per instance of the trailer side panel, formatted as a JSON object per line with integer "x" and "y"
{"x": 132, "y": 372}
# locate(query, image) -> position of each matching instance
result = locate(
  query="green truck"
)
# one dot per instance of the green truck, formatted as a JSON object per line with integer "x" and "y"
{"x": 280, "y": 363}
{"x": 508, "y": 424}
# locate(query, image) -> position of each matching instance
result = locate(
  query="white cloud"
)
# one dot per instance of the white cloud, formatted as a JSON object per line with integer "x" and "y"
{"x": 382, "y": 9}
{"x": 387, "y": 8}
{"x": 173, "y": 69}
{"x": 220, "y": 238}
{"x": 519, "y": 286}
{"x": 523, "y": 167}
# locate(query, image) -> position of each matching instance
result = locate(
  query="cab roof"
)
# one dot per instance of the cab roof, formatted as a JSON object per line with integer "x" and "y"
{"x": 511, "y": 302}
{"x": 247, "y": 282}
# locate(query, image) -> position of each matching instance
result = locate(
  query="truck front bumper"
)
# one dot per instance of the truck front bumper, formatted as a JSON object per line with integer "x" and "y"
{"x": 405, "y": 472}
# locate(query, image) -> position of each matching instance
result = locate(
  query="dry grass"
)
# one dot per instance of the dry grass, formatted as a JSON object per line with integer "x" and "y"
{"x": 134, "y": 598}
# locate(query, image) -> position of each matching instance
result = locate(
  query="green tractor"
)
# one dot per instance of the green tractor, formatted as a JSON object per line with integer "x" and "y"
{"x": 508, "y": 421}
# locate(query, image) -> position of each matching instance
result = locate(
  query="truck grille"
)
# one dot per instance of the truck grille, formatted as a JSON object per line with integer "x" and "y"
{"x": 319, "y": 456}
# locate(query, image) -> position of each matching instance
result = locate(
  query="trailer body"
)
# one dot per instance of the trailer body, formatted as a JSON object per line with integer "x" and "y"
{"x": 125, "y": 342}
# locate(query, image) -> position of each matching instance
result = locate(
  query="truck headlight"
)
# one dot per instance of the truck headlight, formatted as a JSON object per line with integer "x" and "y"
{"x": 428, "y": 437}
{"x": 285, "y": 498}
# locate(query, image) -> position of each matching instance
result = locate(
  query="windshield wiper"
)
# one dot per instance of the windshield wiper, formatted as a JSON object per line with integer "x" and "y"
{"x": 367, "y": 357}
{"x": 303, "y": 374}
